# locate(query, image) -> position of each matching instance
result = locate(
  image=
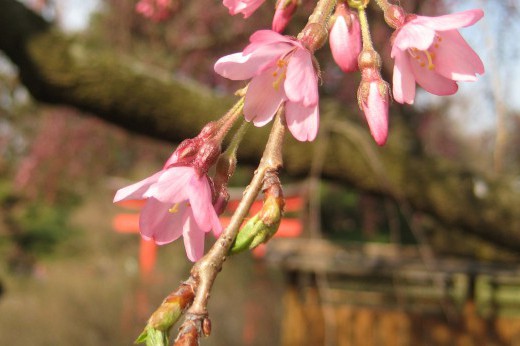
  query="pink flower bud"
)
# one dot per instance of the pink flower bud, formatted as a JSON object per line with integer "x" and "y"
{"x": 374, "y": 101}
{"x": 345, "y": 38}
{"x": 283, "y": 14}
{"x": 374, "y": 95}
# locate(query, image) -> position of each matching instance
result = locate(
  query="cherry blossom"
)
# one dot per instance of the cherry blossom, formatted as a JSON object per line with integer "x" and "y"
{"x": 178, "y": 203}
{"x": 283, "y": 14}
{"x": 431, "y": 52}
{"x": 281, "y": 70}
{"x": 246, "y": 7}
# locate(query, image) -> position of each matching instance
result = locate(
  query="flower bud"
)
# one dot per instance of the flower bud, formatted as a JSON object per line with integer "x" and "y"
{"x": 373, "y": 98}
{"x": 283, "y": 14}
{"x": 395, "y": 16}
{"x": 345, "y": 38}
{"x": 374, "y": 95}
{"x": 261, "y": 227}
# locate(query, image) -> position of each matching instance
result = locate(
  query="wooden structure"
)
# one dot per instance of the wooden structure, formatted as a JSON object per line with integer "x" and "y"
{"x": 383, "y": 294}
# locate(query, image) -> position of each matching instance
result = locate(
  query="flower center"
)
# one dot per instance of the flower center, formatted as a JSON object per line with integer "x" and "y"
{"x": 280, "y": 73}
{"x": 425, "y": 58}
{"x": 174, "y": 209}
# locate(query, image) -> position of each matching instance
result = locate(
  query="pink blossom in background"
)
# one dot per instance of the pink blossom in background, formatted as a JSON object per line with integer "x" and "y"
{"x": 283, "y": 14}
{"x": 157, "y": 10}
{"x": 345, "y": 38}
{"x": 375, "y": 107}
{"x": 281, "y": 71}
{"x": 431, "y": 52}
{"x": 246, "y": 7}
{"x": 178, "y": 203}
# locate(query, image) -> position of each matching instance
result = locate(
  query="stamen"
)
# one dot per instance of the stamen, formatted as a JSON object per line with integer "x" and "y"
{"x": 430, "y": 57}
{"x": 280, "y": 73}
{"x": 174, "y": 208}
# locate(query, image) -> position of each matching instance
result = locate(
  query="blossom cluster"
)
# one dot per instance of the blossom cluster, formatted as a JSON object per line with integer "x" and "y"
{"x": 283, "y": 76}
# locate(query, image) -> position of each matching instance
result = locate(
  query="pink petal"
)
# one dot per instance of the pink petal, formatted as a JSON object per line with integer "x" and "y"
{"x": 303, "y": 122}
{"x": 454, "y": 58}
{"x": 413, "y": 36}
{"x": 376, "y": 113}
{"x": 171, "y": 185}
{"x": 241, "y": 66}
{"x": 403, "y": 79}
{"x": 157, "y": 223}
{"x": 269, "y": 36}
{"x": 137, "y": 190}
{"x": 201, "y": 201}
{"x": 193, "y": 238}
{"x": 262, "y": 98}
{"x": 345, "y": 43}
{"x": 301, "y": 83}
{"x": 450, "y": 21}
{"x": 431, "y": 81}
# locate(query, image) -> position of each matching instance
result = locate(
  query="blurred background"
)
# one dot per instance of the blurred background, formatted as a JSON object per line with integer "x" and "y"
{"x": 354, "y": 265}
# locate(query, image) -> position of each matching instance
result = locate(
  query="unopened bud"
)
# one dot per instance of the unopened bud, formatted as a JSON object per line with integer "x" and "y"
{"x": 395, "y": 16}
{"x": 261, "y": 227}
{"x": 206, "y": 326}
{"x": 345, "y": 38}
{"x": 283, "y": 14}
{"x": 166, "y": 316}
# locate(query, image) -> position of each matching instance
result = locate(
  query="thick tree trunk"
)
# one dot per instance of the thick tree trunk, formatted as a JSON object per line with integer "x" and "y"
{"x": 57, "y": 69}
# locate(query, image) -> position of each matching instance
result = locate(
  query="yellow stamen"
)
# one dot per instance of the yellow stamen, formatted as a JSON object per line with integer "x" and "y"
{"x": 174, "y": 208}
{"x": 280, "y": 73}
{"x": 430, "y": 57}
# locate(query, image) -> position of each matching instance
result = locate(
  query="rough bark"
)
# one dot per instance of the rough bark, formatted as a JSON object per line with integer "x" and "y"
{"x": 56, "y": 69}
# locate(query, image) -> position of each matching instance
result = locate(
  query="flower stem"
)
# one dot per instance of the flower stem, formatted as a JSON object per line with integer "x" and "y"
{"x": 383, "y": 4}
{"x": 227, "y": 121}
{"x": 365, "y": 30}
{"x": 205, "y": 271}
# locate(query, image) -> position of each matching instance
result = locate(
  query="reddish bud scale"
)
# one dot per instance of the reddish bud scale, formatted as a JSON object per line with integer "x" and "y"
{"x": 188, "y": 336}
{"x": 172, "y": 307}
{"x": 313, "y": 36}
{"x": 395, "y": 16}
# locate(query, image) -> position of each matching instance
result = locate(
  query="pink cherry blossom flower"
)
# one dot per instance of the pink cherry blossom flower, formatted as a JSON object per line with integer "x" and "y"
{"x": 431, "y": 52}
{"x": 281, "y": 70}
{"x": 157, "y": 10}
{"x": 283, "y": 14}
{"x": 178, "y": 202}
{"x": 246, "y": 7}
{"x": 345, "y": 38}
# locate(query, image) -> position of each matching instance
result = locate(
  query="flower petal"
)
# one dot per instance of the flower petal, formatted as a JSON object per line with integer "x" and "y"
{"x": 431, "y": 81}
{"x": 450, "y": 21}
{"x": 303, "y": 122}
{"x": 193, "y": 238}
{"x": 252, "y": 61}
{"x": 403, "y": 79}
{"x": 262, "y": 98}
{"x": 454, "y": 58}
{"x": 201, "y": 202}
{"x": 171, "y": 185}
{"x": 301, "y": 83}
{"x": 157, "y": 223}
{"x": 413, "y": 36}
{"x": 137, "y": 190}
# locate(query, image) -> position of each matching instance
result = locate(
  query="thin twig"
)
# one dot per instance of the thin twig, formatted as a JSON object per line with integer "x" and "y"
{"x": 205, "y": 271}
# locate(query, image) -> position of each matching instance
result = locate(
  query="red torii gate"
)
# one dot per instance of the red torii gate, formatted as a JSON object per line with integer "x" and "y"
{"x": 129, "y": 223}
